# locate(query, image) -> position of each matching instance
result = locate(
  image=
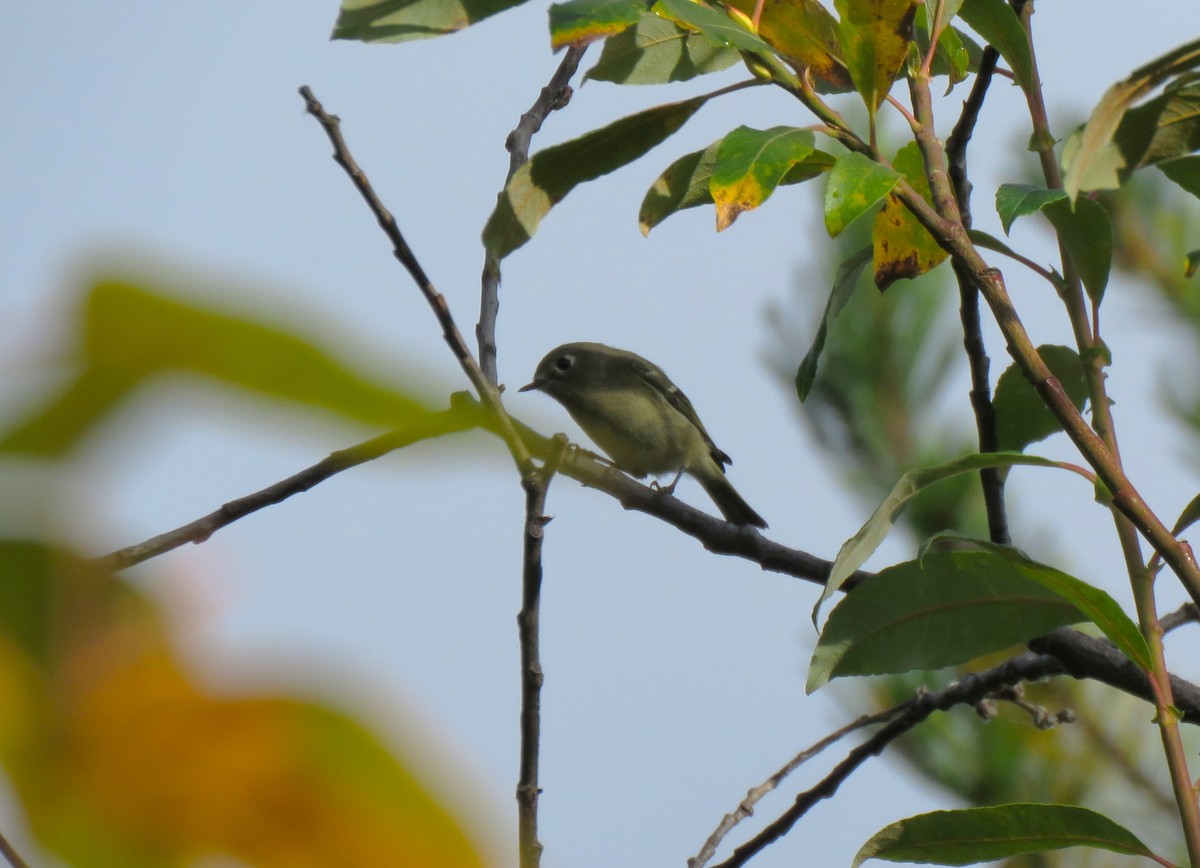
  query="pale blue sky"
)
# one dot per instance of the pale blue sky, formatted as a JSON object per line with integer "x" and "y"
{"x": 170, "y": 135}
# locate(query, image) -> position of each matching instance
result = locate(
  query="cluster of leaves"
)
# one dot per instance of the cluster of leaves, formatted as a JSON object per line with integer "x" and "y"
{"x": 959, "y": 598}
{"x": 119, "y": 754}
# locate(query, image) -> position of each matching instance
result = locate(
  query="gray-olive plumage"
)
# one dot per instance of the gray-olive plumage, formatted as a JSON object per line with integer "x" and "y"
{"x": 645, "y": 424}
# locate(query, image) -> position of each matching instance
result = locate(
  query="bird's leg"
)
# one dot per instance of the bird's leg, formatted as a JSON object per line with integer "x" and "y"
{"x": 667, "y": 489}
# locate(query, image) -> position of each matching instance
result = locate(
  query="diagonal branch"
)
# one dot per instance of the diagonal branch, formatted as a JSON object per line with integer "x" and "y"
{"x": 555, "y": 95}
{"x": 486, "y": 392}
{"x": 970, "y": 690}
{"x": 461, "y": 416}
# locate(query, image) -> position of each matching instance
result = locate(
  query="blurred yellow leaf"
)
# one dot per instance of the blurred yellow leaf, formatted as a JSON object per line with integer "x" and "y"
{"x": 120, "y": 758}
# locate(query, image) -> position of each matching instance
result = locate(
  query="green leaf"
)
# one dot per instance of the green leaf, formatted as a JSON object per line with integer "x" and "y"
{"x": 1022, "y": 417}
{"x": 750, "y": 164}
{"x": 855, "y": 551}
{"x": 132, "y": 333}
{"x": 720, "y": 29}
{"x": 402, "y": 20}
{"x": 1096, "y": 142}
{"x": 1086, "y": 233}
{"x": 999, "y": 26}
{"x": 580, "y": 22}
{"x": 972, "y": 835}
{"x": 856, "y": 184}
{"x": 1084, "y": 230}
{"x": 944, "y": 609}
{"x": 657, "y": 51}
{"x": 805, "y": 34}
{"x": 990, "y": 242}
{"x": 552, "y": 173}
{"x": 953, "y": 55}
{"x": 874, "y": 35}
{"x": 844, "y": 284}
{"x": 1159, "y": 129}
{"x": 1017, "y": 200}
{"x": 1187, "y": 518}
{"x": 1099, "y": 608}
{"x": 1184, "y": 171}
{"x": 685, "y": 183}
{"x": 903, "y": 247}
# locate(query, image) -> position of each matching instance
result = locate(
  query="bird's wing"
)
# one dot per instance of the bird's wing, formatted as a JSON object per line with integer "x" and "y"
{"x": 661, "y": 383}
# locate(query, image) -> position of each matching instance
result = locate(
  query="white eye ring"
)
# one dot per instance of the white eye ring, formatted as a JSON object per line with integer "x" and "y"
{"x": 563, "y": 363}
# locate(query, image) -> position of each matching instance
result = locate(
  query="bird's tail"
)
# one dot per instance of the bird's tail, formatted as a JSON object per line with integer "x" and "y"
{"x": 731, "y": 504}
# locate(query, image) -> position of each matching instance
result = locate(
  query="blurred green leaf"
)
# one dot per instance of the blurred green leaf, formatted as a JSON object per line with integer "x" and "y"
{"x": 402, "y": 20}
{"x": 1096, "y": 143}
{"x": 903, "y": 247}
{"x": 943, "y": 609}
{"x": 972, "y": 835}
{"x": 658, "y": 51}
{"x": 580, "y": 22}
{"x": 1159, "y": 129}
{"x": 750, "y": 164}
{"x": 1022, "y": 417}
{"x": 844, "y": 284}
{"x": 875, "y": 35}
{"x": 996, "y": 22}
{"x": 1187, "y": 518}
{"x": 1184, "y": 171}
{"x": 132, "y": 333}
{"x": 856, "y": 184}
{"x": 554, "y": 172}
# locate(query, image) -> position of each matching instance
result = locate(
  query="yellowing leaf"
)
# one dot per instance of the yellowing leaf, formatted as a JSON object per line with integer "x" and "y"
{"x": 903, "y": 247}
{"x": 750, "y": 164}
{"x": 806, "y": 35}
{"x": 875, "y": 35}
{"x": 120, "y": 757}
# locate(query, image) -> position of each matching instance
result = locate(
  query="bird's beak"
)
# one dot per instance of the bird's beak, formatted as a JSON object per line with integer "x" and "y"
{"x": 536, "y": 384}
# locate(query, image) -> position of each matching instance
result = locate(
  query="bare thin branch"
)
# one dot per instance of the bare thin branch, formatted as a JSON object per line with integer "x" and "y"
{"x": 528, "y": 789}
{"x": 461, "y": 416}
{"x": 454, "y": 339}
{"x": 746, "y": 807}
{"x": 555, "y": 95}
{"x": 11, "y": 855}
{"x": 970, "y": 690}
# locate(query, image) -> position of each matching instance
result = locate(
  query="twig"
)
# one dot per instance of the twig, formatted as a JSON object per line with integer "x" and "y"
{"x": 1062, "y": 652}
{"x": 536, "y": 485}
{"x": 991, "y": 479}
{"x": 555, "y": 95}
{"x": 11, "y": 855}
{"x": 970, "y": 690}
{"x": 460, "y": 417}
{"x": 746, "y": 807}
{"x": 486, "y": 392}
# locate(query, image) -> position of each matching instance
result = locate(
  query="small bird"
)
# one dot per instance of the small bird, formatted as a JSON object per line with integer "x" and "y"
{"x": 645, "y": 424}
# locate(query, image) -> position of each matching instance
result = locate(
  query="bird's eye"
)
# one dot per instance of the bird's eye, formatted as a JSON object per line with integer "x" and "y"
{"x": 563, "y": 363}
